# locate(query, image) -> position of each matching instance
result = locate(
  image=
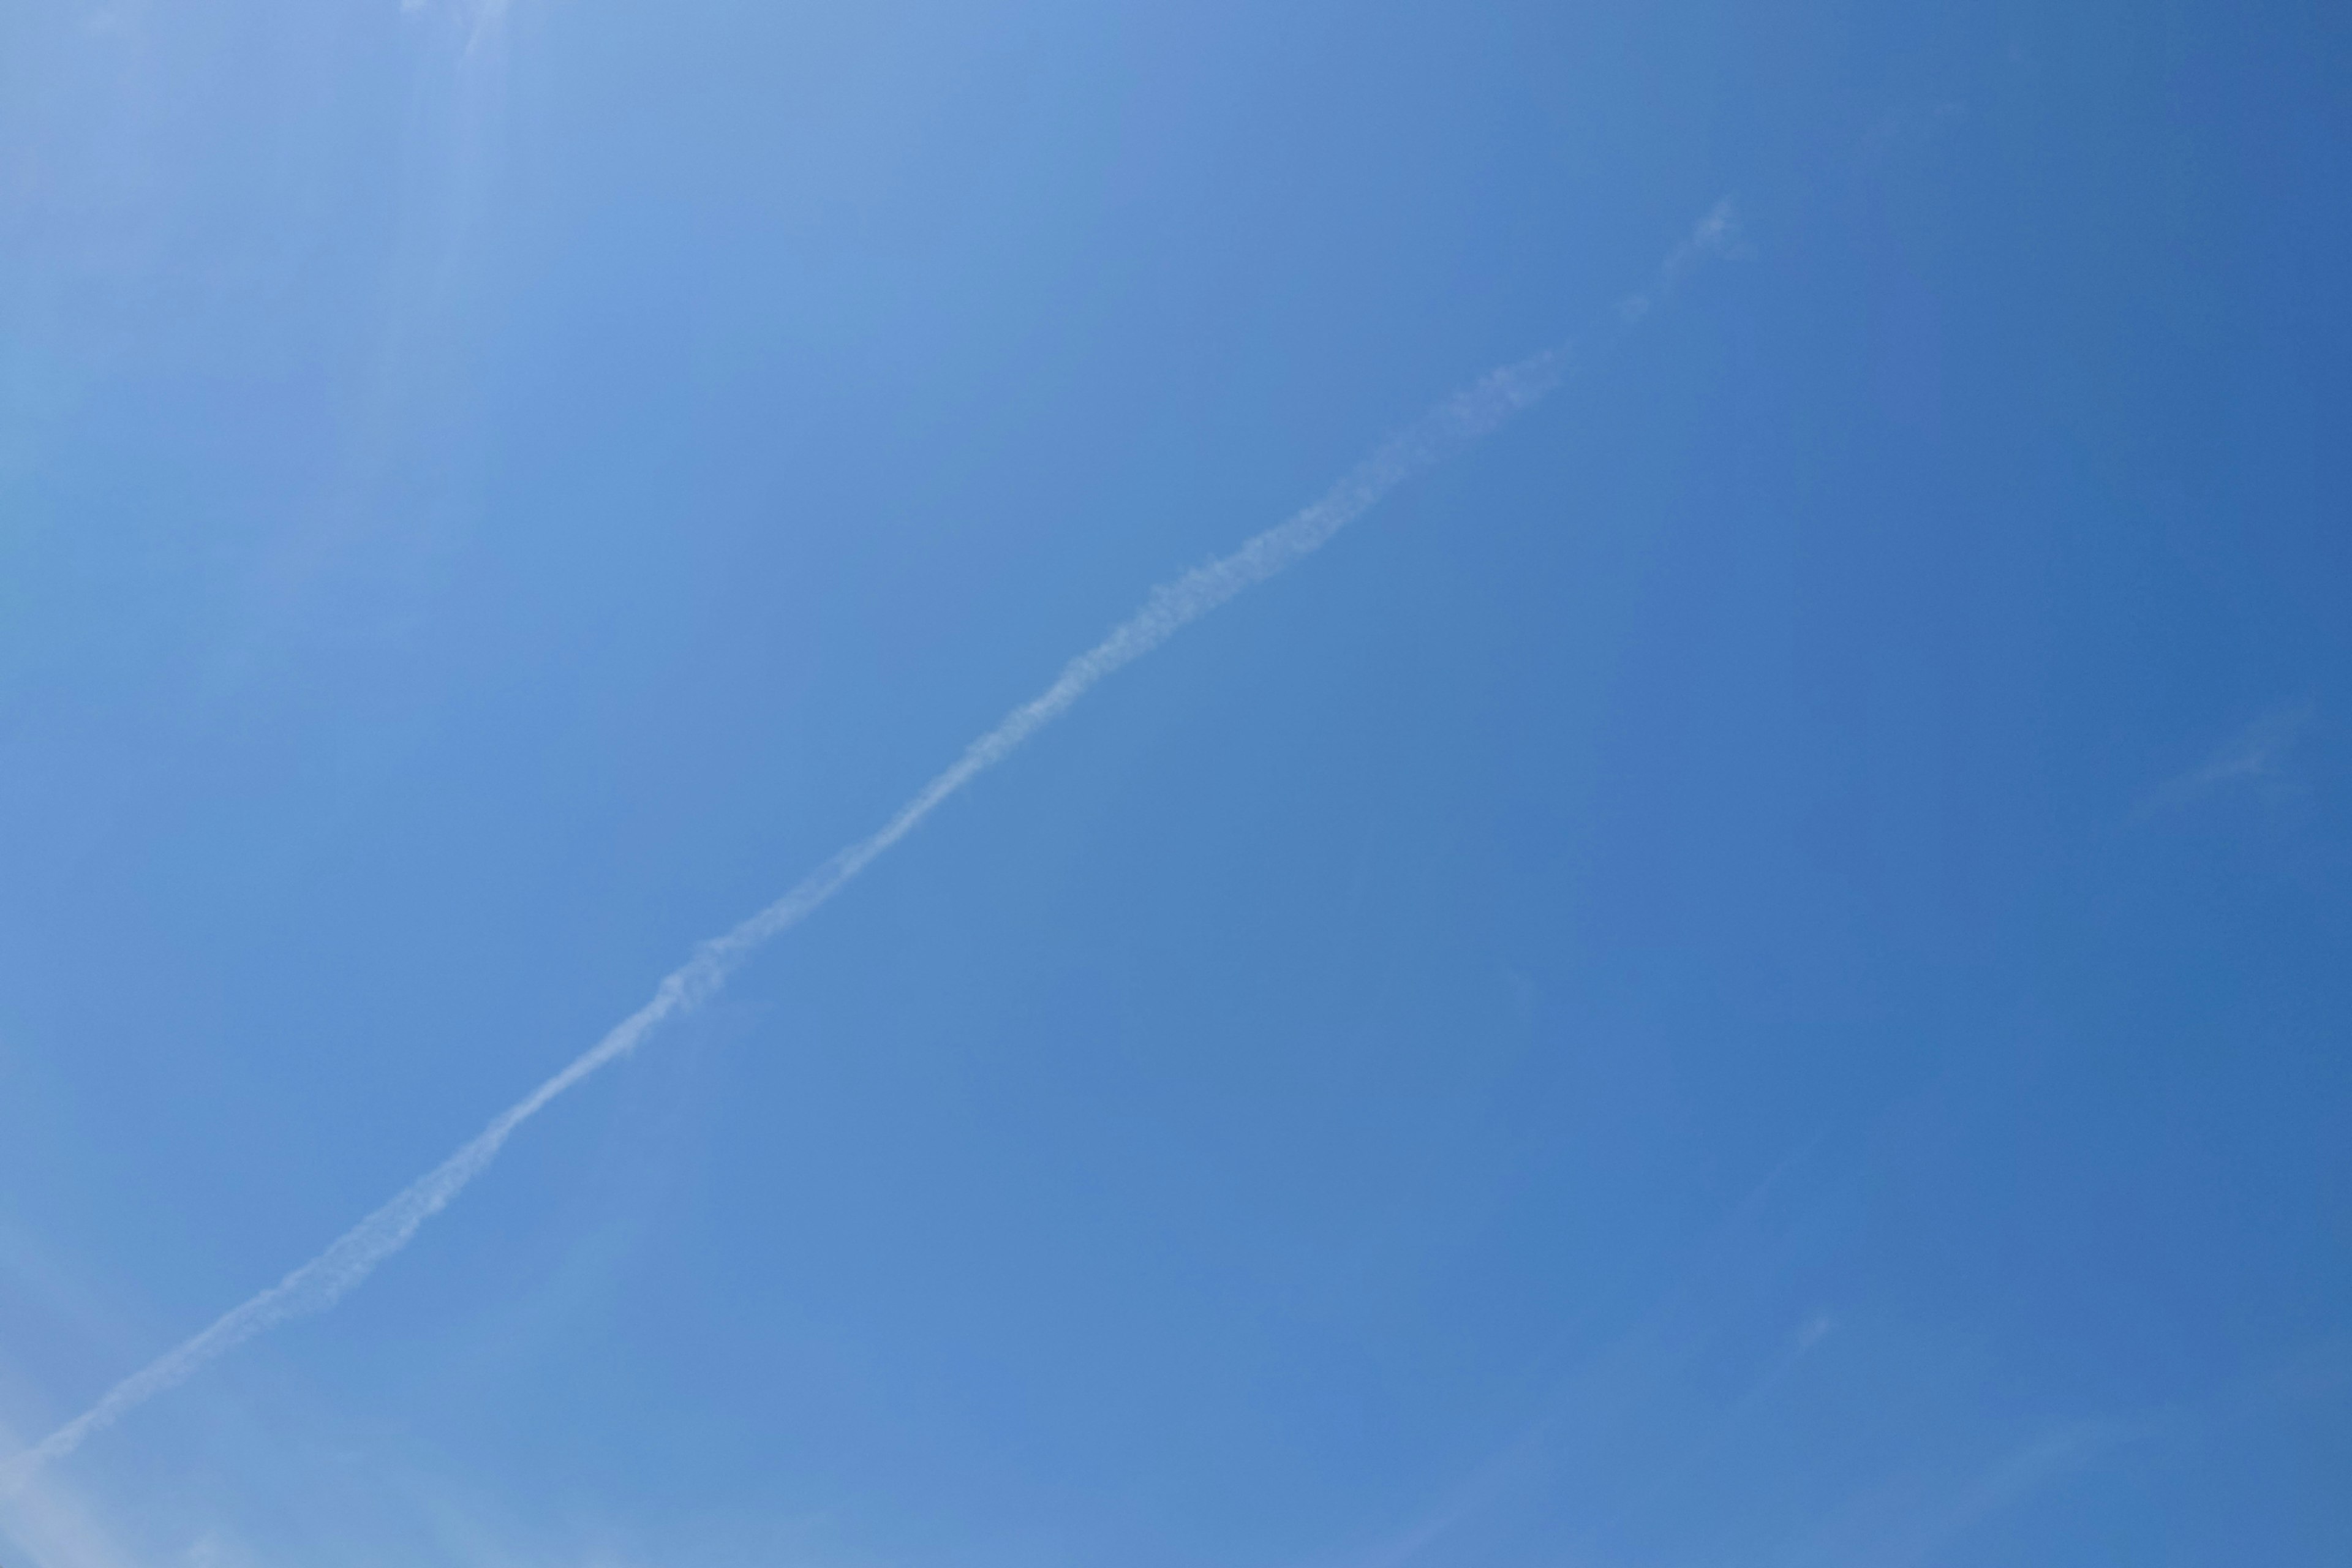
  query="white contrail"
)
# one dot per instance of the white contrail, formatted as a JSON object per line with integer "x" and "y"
{"x": 1445, "y": 430}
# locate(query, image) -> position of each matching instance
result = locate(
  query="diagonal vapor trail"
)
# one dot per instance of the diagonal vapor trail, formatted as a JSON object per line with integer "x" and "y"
{"x": 1453, "y": 425}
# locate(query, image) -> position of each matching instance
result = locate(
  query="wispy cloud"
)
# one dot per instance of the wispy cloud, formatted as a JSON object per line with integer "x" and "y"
{"x": 1718, "y": 233}
{"x": 1445, "y": 431}
{"x": 52, "y": 1527}
{"x": 2040, "y": 1462}
{"x": 2258, "y": 756}
{"x": 1623, "y": 1431}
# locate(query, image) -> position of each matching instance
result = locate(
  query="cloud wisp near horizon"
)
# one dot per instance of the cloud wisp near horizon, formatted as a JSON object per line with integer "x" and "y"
{"x": 1447, "y": 429}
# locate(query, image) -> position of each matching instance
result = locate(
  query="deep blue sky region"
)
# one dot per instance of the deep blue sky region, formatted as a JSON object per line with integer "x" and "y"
{"x": 1750, "y": 968}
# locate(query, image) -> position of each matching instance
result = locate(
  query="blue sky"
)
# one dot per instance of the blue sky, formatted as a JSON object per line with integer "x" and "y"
{"x": 1748, "y": 971}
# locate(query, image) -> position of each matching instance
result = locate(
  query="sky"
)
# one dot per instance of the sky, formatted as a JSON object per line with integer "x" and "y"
{"x": 1745, "y": 967}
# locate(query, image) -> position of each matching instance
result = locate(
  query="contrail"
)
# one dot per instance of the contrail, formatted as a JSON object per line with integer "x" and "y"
{"x": 1446, "y": 429}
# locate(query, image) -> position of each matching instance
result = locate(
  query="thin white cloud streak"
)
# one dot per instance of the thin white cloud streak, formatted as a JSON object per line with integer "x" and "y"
{"x": 1448, "y": 428}
{"x": 2259, "y": 755}
{"x": 1717, "y": 234}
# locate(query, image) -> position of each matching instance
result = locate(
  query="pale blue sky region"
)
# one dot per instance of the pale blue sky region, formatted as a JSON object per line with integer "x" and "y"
{"x": 1749, "y": 971}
